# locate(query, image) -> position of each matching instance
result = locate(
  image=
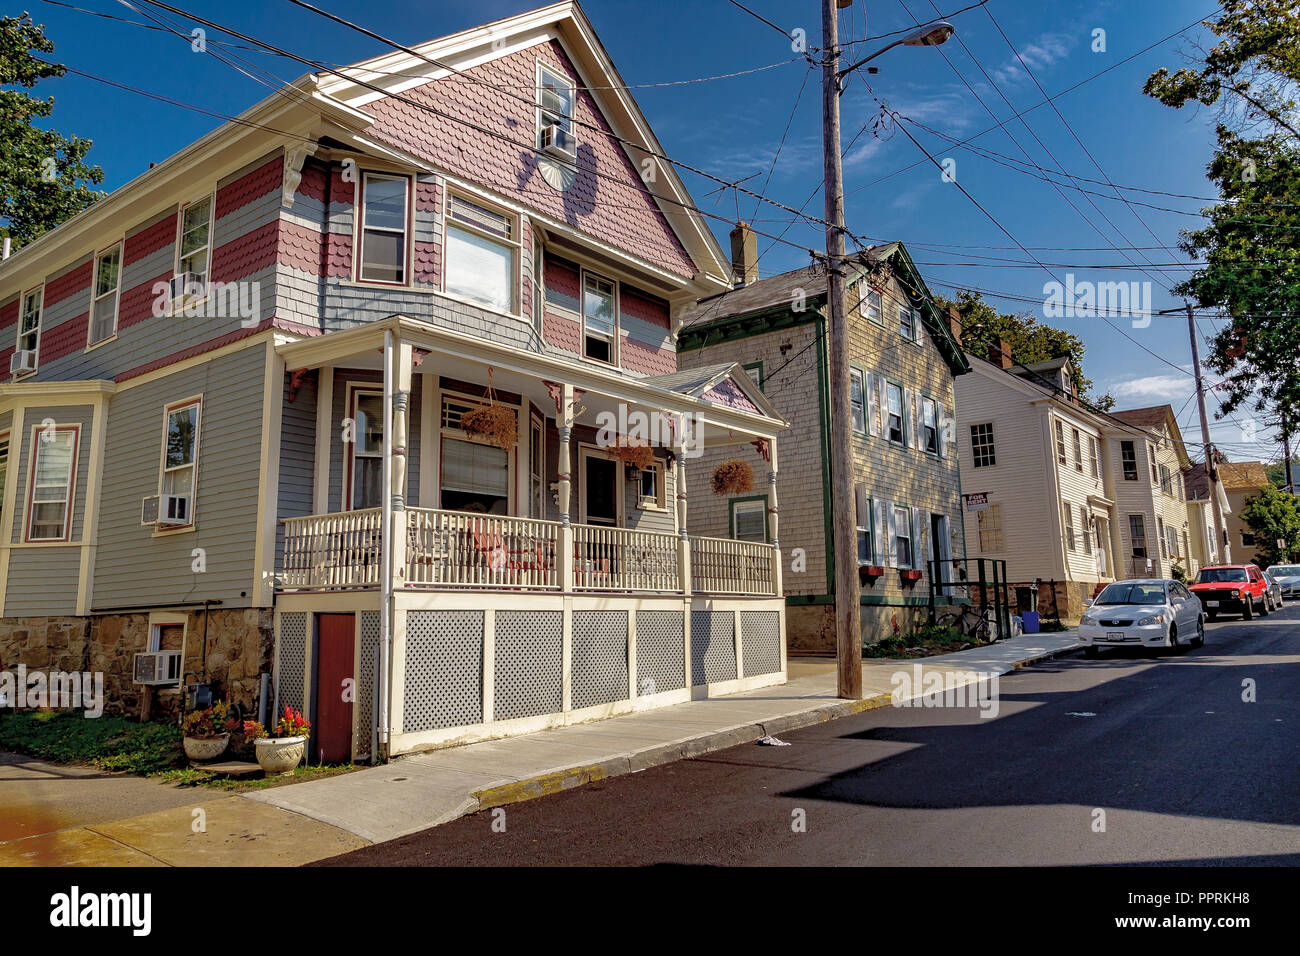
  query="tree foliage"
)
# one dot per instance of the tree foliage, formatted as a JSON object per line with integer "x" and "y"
{"x": 1027, "y": 339}
{"x": 1251, "y": 241}
{"x": 44, "y": 179}
{"x": 1273, "y": 515}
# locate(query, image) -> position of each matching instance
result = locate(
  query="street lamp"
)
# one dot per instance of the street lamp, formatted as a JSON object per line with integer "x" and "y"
{"x": 848, "y": 611}
{"x": 932, "y": 34}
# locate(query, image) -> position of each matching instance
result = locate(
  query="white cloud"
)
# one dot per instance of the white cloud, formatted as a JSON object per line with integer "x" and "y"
{"x": 1038, "y": 55}
{"x": 1153, "y": 389}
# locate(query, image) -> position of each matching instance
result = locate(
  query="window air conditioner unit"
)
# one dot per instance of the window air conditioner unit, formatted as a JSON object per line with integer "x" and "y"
{"x": 149, "y": 510}
{"x": 185, "y": 284}
{"x": 156, "y": 667}
{"x": 174, "y": 509}
{"x": 21, "y": 361}
{"x": 557, "y": 142}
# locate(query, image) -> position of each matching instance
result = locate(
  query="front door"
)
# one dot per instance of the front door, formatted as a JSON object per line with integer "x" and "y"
{"x": 335, "y": 684}
{"x": 600, "y": 489}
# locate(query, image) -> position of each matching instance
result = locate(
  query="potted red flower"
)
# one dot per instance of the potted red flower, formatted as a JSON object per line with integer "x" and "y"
{"x": 282, "y": 751}
{"x": 869, "y": 572}
{"x": 204, "y": 732}
{"x": 910, "y": 575}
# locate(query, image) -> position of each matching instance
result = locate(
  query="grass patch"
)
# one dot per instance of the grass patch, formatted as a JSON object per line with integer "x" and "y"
{"x": 198, "y": 777}
{"x": 108, "y": 743}
{"x": 925, "y": 641}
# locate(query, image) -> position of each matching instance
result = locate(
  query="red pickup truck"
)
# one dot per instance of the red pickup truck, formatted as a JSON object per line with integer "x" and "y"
{"x": 1232, "y": 589}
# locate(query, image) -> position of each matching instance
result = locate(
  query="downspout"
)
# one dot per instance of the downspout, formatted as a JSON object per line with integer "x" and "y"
{"x": 386, "y": 555}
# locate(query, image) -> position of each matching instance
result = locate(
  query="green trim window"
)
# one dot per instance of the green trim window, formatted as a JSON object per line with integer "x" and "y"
{"x": 866, "y": 539}
{"x": 858, "y": 400}
{"x": 747, "y": 518}
{"x": 755, "y": 372}
{"x": 1128, "y": 456}
{"x": 871, "y": 304}
{"x": 895, "y": 419}
{"x": 901, "y": 520}
{"x": 907, "y": 317}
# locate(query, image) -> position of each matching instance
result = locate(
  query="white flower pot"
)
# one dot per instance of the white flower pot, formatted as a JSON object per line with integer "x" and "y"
{"x": 205, "y": 748}
{"x": 278, "y": 755}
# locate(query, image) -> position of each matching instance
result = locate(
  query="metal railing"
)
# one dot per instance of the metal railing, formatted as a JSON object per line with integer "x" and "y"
{"x": 728, "y": 566}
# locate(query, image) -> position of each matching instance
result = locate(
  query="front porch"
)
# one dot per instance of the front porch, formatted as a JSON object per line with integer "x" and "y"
{"x": 531, "y": 583}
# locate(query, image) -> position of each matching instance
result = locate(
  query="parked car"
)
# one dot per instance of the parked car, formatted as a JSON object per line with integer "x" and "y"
{"x": 1288, "y": 576}
{"x": 1232, "y": 589}
{"x": 1274, "y": 592}
{"x": 1153, "y": 612}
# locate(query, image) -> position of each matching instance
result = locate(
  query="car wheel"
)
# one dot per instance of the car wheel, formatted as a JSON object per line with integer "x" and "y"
{"x": 1173, "y": 638}
{"x": 1249, "y": 611}
{"x": 1266, "y": 605}
{"x": 1199, "y": 639}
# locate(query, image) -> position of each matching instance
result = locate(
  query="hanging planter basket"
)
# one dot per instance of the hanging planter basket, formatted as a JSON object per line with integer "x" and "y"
{"x": 732, "y": 478}
{"x": 494, "y": 423}
{"x": 633, "y": 454}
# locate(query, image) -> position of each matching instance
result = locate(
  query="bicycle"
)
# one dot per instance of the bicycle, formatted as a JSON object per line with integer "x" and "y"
{"x": 969, "y": 621}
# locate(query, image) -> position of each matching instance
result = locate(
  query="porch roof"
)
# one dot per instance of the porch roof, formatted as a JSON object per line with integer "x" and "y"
{"x": 675, "y": 393}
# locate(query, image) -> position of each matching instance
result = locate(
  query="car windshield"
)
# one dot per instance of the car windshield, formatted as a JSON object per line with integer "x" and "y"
{"x": 1284, "y": 571}
{"x": 1132, "y": 594}
{"x": 1217, "y": 575}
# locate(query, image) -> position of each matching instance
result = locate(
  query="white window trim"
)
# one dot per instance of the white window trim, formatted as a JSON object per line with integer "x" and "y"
{"x": 761, "y": 505}
{"x": 196, "y": 401}
{"x": 991, "y": 447}
{"x": 660, "y": 498}
{"x": 120, "y": 246}
{"x": 40, "y": 320}
{"x": 446, "y": 431}
{"x": 615, "y": 350}
{"x": 180, "y": 234}
{"x": 938, "y": 437}
{"x": 351, "y": 391}
{"x": 861, "y": 376}
{"x": 1067, "y": 528}
{"x": 556, "y": 74}
{"x": 895, "y": 510}
{"x": 886, "y": 414}
{"x": 70, "y": 502}
{"x": 359, "y": 229}
{"x": 515, "y": 243}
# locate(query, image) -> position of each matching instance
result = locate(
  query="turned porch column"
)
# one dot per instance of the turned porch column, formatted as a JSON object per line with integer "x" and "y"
{"x": 773, "y": 517}
{"x": 399, "y": 443}
{"x": 564, "y": 481}
{"x": 683, "y": 536}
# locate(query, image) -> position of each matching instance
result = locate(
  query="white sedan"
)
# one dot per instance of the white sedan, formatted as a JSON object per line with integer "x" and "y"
{"x": 1147, "y": 613}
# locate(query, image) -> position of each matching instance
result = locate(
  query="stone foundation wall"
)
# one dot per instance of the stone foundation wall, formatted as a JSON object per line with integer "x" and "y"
{"x": 232, "y": 656}
{"x": 810, "y": 628}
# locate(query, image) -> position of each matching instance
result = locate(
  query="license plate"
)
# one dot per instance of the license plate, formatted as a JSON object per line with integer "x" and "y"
{"x": 1114, "y": 635}
{"x": 1211, "y": 603}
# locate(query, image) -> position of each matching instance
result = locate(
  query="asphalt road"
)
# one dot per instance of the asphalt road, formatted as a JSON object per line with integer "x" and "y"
{"x": 1134, "y": 758}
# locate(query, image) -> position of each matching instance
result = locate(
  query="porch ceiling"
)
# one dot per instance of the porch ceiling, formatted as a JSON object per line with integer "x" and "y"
{"x": 468, "y": 359}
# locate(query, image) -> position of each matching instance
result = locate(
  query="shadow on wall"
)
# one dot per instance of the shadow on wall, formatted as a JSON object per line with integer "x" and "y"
{"x": 579, "y": 198}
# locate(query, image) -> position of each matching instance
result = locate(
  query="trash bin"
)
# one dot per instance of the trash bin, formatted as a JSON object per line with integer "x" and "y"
{"x": 1027, "y": 599}
{"x": 1031, "y": 622}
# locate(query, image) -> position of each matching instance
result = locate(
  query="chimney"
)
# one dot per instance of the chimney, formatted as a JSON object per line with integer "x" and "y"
{"x": 1002, "y": 354}
{"x": 744, "y": 255}
{"x": 954, "y": 323}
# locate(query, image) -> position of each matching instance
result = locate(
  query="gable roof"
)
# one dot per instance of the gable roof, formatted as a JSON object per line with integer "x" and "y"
{"x": 723, "y": 384}
{"x": 1243, "y": 475}
{"x": 778, "y": 293}
{"x": 1153, "y": 416}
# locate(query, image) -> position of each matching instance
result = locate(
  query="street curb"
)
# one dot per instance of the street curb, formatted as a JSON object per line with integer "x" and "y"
{"x": 557, "y": 781}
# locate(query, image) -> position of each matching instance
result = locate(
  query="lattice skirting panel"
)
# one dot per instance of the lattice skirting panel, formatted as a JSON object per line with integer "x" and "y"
{"x": 444, "y": 670}
{"x": 599, "y": 664}
{"x": 760, "y": 642}
{"x": 660, "y": 652}
{"x": 291, "y": 661}
{"x": 365, "y": 709}
{"x": 528, "y": 667}
{"x": 713, "y": 646}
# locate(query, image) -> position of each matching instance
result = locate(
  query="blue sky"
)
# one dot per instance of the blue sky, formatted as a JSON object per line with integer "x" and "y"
{"x": 734, "y": 127}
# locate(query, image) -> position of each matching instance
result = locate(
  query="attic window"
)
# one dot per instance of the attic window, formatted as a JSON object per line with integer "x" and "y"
{"x": 555, "y": 93}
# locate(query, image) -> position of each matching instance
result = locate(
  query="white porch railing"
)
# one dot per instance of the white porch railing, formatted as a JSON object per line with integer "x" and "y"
{"x": 464, "y": 549}
{"x": 624, "y": 559}
{"x": 727, "y": 566}
{"x": 332, "y": 551}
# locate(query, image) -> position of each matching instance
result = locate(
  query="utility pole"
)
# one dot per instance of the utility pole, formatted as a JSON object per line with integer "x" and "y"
{"x": 848, "y": 611}
{"x": 1211, "y": 466}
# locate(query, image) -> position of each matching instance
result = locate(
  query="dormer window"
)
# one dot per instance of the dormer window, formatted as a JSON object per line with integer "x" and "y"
{"x": 555, "y": 95}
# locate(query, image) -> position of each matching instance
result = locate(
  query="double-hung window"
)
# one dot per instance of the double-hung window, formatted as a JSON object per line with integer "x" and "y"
{"x": 1078, "y": 449}
{"x": 4, "y": 462}
{"x": 599, "y": 318}
{"x": 29, "y": 323}
{"x": 903, "y": 537}
{"x": 894, "y": 414}
{"x": 862, "y": 511}
{"x": 990, "y": 529}
{"x": 383, "y": 228}
{"x": 871, "y": 304}
{"x": 1137, "y": 534}
{"x": 180, "y": 460}
{"x": 1067, "y": 512}
{"x": 555, "y": 94}
{"x": 54, "y": 466}
{"x": 981, "y": 445}
{"x": 366, "y": 450}
{"x": 929, "y": 426}
{"x": 1095, "y": 456}
{"x": 103, "y": 306}
{"x": 194, "y": 250}
{"x": 650, "y": 486}
{"x": 857, "y": 400}
{"x": 907, "y": 322}
{"x": 482, "y": 254}
{"x": 1128, "y": 456}
{"x": 1061, "y": 455}
{"x": 1151, "y": 457}
{"x": 749, "y": 519}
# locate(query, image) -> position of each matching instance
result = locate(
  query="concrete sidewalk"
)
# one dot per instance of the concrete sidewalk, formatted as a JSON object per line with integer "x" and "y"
{"x": 424, "y": 790}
